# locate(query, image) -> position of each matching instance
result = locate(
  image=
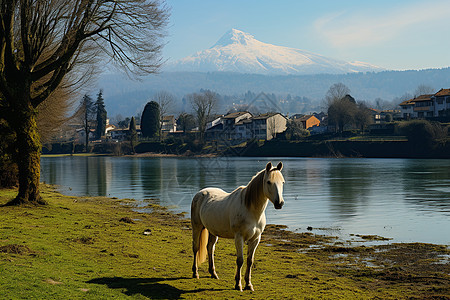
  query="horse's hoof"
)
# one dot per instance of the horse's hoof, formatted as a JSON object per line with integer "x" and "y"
{"x": 195, "y": 276}
{"x": 214, "y": 276}
{"x": 249, "y": 287}
{"x": 238, "y": 288}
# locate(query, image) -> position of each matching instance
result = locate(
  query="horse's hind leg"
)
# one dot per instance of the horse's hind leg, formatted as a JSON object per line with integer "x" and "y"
{"x": 212, "y": 239}
{"x": 196, "y": 233}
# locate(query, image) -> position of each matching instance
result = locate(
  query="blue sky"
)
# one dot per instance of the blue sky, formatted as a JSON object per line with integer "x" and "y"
{"x": 395, "y": 35}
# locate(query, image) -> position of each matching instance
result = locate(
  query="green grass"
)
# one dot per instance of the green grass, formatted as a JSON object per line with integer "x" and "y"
{"x": 84, "y": 248}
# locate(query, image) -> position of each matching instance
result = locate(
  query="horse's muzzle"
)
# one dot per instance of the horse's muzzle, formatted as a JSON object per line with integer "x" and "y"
{"x": 278, "y": 205}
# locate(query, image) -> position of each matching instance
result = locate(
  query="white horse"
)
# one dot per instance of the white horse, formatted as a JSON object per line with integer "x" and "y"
{"x": 239, "y": 215}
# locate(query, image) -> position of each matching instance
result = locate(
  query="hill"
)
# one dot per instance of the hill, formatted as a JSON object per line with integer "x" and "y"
{"x": 128, "y": 97}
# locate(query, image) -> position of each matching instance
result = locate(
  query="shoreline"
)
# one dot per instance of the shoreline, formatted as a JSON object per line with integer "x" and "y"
{"x": 98, "y": 246}
{"x": 345, "y": 231}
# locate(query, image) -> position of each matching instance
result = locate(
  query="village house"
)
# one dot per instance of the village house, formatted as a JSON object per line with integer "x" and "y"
{"x": 122, "y": 134}
{"x": 108, "y": 129}
{"x": 168, "y": 124}
{"x": 267, "y": 126}
{"x": 427, "y": 106}
{"x": 376, "y": 115}
{"x": 307, "y": 121}
{"x": 394, "y": 113}
{"x": 243, "y": 126}
{"x": 442, "y": 103}
{"x": 231, "y": 128}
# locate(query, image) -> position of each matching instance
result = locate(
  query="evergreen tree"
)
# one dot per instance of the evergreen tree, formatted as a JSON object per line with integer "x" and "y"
{"x": 87, "y": 111}
{"x": 132, "y": 134}
{"x": 150, "y": 122}
{"x": 101, "y": 116}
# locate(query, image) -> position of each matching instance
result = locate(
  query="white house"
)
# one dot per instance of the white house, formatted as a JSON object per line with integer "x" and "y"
{"x": 427, "y": 106}
{"x": 243, "y": 126}
{"x": 442, "y": 103}
{"x": 168, "y": 124}
{"x": 267, "y": 126}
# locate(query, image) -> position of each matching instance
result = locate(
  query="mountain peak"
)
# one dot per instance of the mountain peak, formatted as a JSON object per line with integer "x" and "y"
{"x": 234, "y": 36}
{"x": 238, "y": 51}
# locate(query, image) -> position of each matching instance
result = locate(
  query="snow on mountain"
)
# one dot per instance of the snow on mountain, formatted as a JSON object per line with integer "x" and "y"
{"x": 237, "y": 51}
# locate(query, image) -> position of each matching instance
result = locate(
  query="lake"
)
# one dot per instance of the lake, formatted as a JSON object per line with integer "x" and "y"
{"x": 407, "y": 200}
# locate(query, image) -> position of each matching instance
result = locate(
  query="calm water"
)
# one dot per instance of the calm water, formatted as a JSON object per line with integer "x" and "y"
{"x": 404, "y": 199}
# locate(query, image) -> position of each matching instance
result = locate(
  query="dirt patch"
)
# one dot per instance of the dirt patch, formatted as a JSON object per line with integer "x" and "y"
{"x": 393, "y": 266}
{"x": 52, "y": 282}
{"x": 126, "y": 220}
{"x": 16, "y": 249}
{"x": 390, "y": 267}
{"x": 279, "y": 235}
{"x": 83, "y": 240}
{"x": 372, "y": 237}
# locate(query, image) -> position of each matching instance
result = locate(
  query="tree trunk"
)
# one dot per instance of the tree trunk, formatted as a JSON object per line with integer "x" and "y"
{"x": 28, "y": 156}
{"x": 86, "y": 132}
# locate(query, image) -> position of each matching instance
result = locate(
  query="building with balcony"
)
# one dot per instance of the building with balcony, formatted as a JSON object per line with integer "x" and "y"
{"x": 427, "y": 106}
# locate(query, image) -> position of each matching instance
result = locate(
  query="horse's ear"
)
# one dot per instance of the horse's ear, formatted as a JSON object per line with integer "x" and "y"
{"x": 268, "y": 166}
{"x": 280, "y": 166}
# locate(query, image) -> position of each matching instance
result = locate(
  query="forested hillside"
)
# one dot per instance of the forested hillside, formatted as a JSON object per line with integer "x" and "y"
{"x": 128, "y": 97}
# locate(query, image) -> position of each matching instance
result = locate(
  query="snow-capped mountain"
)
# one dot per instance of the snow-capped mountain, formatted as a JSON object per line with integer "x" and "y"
{"x": 237, "y": 51}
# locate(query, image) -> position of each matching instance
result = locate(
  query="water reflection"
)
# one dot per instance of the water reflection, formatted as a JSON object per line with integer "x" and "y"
{"x": 404, "y": 199}
{"x": 427, "y": 185}
{"x": 350, "y": 185}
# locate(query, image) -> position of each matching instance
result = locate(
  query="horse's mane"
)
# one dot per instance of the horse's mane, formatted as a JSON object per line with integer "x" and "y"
{"x": 254, "y": 189}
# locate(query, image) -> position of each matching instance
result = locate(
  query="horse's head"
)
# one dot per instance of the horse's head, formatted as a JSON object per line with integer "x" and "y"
{"x": 273, "y": 184}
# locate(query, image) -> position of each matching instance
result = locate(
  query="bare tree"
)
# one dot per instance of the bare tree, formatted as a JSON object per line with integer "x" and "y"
{"x": 336, "y": 92}
{"x": 186, "y": 122}
{"x": 44, "y": 41}
{"x": 423, "y": 89}
{"x": 53, "y": 113}
{"x": 271, "y": 128}
{"x": 342, "y": 112}
{"x": 85, "y": 115}
{"x": 166, "y": 101}
{"x": 363, "y": 116}
{"x": 203, "y": 105}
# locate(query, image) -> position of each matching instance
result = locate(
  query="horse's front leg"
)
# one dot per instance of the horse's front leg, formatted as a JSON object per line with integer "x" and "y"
{"x": 211, "y": 246}
{"x": 239, "y": 243}
{"x": 250, "y": 258}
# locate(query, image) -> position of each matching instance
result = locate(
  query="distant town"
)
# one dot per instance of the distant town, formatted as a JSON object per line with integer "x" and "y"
{"x": 257, "y": 121}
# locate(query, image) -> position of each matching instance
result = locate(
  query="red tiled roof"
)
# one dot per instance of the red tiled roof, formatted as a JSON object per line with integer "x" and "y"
{"x": 305, "y": 118}
{"x": 264, "y": 116}
{"x": 235, "y": 115}
{"x": 443, "y": 92}
{"x": 426, "y": 97}
{"x": 407, "y": 102}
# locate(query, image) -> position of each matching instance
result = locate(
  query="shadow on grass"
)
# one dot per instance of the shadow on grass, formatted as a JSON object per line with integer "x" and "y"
{"x": 148, "y": 287}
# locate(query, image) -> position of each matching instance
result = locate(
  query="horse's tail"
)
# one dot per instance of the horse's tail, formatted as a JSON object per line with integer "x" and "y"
{"x": 202, "y": 251}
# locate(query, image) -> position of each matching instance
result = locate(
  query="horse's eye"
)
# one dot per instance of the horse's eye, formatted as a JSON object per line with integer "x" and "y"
{"x": 268, "y": 182}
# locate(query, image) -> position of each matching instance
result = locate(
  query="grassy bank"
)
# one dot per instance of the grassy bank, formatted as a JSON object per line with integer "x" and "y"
{"x": 95, "y": 248}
